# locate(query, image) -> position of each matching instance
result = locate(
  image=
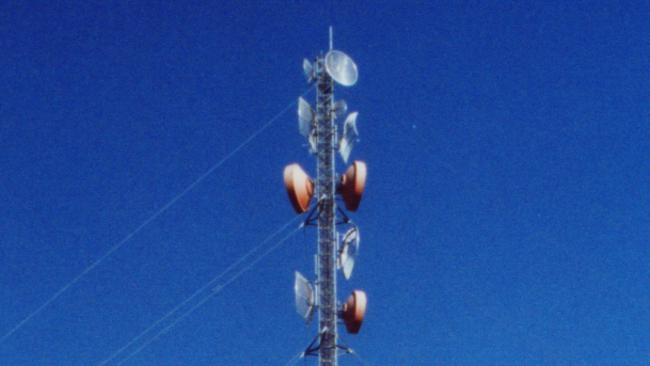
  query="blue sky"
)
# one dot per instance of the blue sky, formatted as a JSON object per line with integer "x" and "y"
{"x": 505, "y": 219}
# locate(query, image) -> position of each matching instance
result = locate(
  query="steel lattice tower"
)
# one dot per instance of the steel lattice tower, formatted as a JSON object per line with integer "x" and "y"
{"x": 325, "y": 190}
{"x": 320, "y": 128}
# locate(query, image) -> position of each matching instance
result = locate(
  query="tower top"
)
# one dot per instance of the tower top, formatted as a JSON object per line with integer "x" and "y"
{"x": 331, "y": 38}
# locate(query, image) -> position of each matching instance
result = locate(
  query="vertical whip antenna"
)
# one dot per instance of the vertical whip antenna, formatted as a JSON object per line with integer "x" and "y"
{"x": 331, "y": 38}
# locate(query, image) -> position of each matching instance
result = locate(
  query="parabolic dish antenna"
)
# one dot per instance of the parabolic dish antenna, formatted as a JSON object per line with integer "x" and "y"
{"x": 304, "y": 296}
{"x": 300, "y": 188}
{"x": 341, "y": 68}
{"x": 308, "y": 69}
{"x": 354, "y": 310}
{"x": 353, "y": 183}
{"x": 340, "y": 108}
{"x": 305, "y": 117}
{"x": 349, "y": 251}
{"x": 349, "y": 137}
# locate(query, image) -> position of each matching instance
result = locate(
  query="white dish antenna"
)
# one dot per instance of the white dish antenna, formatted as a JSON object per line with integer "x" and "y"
{"x": 349, "y": 251}
{"x": 349, "y": 137}
{"x": 340, "y": 108}
{"x": 341, "y": 68}
{"x": 305, "y": 117}
{"x": 304, "y": 296}
{"x": 308, "y": 69}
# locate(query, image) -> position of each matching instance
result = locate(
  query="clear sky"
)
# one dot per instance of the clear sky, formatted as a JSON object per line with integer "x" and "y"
{"x": 505, "y": 222}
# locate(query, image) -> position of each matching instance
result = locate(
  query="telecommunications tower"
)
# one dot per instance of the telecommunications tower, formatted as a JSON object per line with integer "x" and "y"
{"x": 320, "y": 200}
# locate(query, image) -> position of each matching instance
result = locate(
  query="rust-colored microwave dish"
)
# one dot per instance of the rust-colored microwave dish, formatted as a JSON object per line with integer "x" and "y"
{"x": 354, "y": 310}
{"x": 353, "y": 183}
{"x": 300, "y": 187}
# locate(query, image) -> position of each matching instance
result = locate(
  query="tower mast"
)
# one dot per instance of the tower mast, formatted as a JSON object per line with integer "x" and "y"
{"x": 320, "y": 128}
{"x": 325, "y": 190}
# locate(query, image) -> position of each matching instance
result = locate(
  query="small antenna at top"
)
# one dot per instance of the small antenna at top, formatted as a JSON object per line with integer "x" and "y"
{"x": 331, "y": 38}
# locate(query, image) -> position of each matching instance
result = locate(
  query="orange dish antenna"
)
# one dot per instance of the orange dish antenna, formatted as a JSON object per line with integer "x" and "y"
{"x": 300, "y": 187}
{"x": 353, "y": 183}
{"x": 354, "y": 310}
